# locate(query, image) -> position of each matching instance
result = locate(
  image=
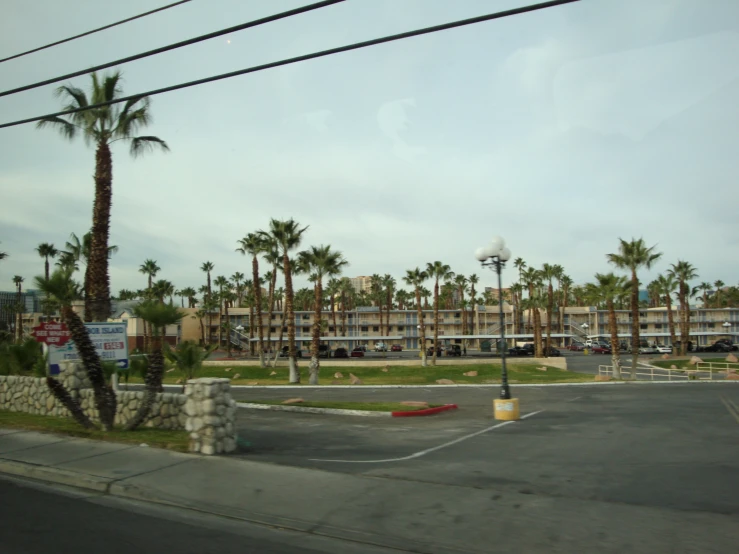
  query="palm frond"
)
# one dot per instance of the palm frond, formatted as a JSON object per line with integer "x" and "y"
{"x": 67, "y": 129}
{"x": 141, "y": 145}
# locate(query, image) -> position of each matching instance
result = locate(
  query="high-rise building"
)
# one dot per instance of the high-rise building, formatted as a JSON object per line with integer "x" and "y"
{"x": 361, "y": 283}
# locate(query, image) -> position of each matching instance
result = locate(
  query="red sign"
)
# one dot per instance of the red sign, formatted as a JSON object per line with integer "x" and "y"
{"x": 52, "y": 333}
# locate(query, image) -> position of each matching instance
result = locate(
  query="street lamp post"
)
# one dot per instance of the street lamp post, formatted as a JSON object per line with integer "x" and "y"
{"x": 494, "y": 256}
{"x": 726, "y": 325}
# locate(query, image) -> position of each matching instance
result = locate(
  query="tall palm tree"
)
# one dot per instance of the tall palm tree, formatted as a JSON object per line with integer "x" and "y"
{"x": 517, "y": 293}
{"x": 559, "y": 274}
{"x": 346, "y": 292}
{"x": 288, "y": 234}
{"x": 320, "y": 262}
{"x": 566, "y": 283}
{"x": 461, "y": 283}
{"x": 61, "y": 287}
{"x": 532, "y": 279}
{"x": 705, "y": 288}
{"x": 666, "y": 285}
{"x": 605, "y": 290}
{"x": 158, "y": 315}
{"x": 332, "y": 289}
{"x": 376, "y": 294}
{"x": 474, "y": 279}
{"x": 631, "y": 256}
{"x": 388, "y": 284}
{"x": 549, "y": 273}
{"x": 221, "y": 282}
{"x": 254, "y": 244}
{"x": 683, "y": 272}
{"x": 520, "y": 264}
{"x": 46, "y": 251}
{"x": 102, "y": 127}
{"x": 437, "y": 271}
{"x": 150, "y": 268}
{"x": 272, "y": 256}
{"x": 20, "y": 308}
{"x": 415, "y": 278}
{"x": 719, "y": 284}
{"x": 191, "y": 294}
{"x": 161, "y": 289}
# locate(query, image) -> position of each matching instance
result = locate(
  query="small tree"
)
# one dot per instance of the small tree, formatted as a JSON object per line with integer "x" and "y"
{"x": 188, "y": 357}
{"x": 158, "y": 316}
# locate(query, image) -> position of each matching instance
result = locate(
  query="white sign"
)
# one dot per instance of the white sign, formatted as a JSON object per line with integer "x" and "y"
{"x": 110, "y": 341}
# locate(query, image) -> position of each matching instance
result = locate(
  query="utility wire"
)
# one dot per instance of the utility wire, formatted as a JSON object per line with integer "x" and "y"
{"x": 57, "y": 43}
{"x": 187, "y": 42}
{"x": 322, "y": 53}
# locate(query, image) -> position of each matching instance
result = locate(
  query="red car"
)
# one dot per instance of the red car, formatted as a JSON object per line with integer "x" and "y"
{"x": 600, "y": 350}
{"x": 576, "y": 347}
{"x": 396, "y": 348}
{"x": 357, "y": 353}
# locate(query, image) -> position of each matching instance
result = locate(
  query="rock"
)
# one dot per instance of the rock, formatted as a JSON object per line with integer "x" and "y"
{"x": 338, "y": 375}
{"x": 542, "y": 368}
{"x": 253, "y": 383}
{"x": 732, "y": 376}
{"x": 293, "y": 401}
{"x": 470, "y": 374}
{"x": 673, "y": 366}
{"x": 444, "y": 382}
{"x": 732, "y": 359}
{"x": 415, "y": 403}
{"x": 207, "y": 449}
{"x": 354, "y": 380}
{"x": 603, "y": 378}
{"x": 170, "y": 370}
{"x": 273, "y": 373}
{"x": 178, "y": 382}
{"x": 228, "y": 369}
{"x": 665, "y": 356}
{"x": 385, "y": 370}
{"x": 695, "y": 360}
{"x": 236, "y": 376}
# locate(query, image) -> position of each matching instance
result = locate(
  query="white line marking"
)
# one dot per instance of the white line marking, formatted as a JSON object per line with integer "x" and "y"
{"x": 429, "y": 450}
{"x": 573, "y": 399}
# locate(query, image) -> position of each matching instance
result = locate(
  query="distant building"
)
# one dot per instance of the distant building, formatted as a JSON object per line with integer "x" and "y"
{"x": 30, "y": 299}
{"x": 361, "y": 283}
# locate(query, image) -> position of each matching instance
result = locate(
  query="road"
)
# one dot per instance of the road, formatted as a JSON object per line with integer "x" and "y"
{"x": 39, "y": 519}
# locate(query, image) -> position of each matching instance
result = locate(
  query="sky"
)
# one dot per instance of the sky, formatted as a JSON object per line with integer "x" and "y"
{"x": 560, "y": 130}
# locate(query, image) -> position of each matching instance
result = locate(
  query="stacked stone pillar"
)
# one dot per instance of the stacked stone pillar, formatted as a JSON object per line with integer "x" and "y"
{"x": 210, "y": 416}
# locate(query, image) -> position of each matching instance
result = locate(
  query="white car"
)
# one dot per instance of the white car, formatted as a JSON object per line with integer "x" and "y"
{"x": 648, "y": 350}
{"x": 664, "y": 349}
{"x": 380, "y": 347}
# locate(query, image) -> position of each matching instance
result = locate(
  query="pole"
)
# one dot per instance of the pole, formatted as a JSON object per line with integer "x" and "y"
{"x": 505, "y": 391}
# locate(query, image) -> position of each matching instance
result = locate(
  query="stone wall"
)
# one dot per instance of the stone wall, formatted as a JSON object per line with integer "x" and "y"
{"x": 210, "y": 415}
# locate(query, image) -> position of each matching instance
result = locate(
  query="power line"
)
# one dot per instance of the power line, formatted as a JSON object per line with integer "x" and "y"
{"x": 322, "y": 53}
{"x": 175, "y": 45}
{"x": 121, "y": 22}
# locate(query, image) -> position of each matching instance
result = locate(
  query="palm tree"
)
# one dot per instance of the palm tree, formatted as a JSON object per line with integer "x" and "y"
{"x": 158, "y": 315}
{"x": 532, "y": 278}
{"x": 346, "y": 293}
{"x": 683, "y": 272}
{"x": 3, "y": 255}
{"x": 437, "y": 271}
{"x": 631, "y": 256}
{"x": 220, "y": 282}
{"x": 415, "y": 278}
{"x": 517, "y": 292}
{"x": 207, "y": 267}
{"x": 388, "y": 283}
{"x": 566, "y": 283}
{"x": 719, "y": 289}
{"x": 461, "y": 283}
{"x": 20, "y": 308}
{"x": 161, "y": 289}
{"x": 548, "y": 273}
{"x": 271, "y": 255}
{"x": 706, "y": 288}
{"x": 376, "y": 294}
{"x": 150, "y": 268}
{"x": 666, "y": 286}
{"x": 188, "y": 357}
{"x": 321, "y": 262}
{"x": 64, "y": 290}
{"x": 255, "y": 244}
{"x": 605, "y": 290}
{"x": 288, "y": 235}
{"x": 46, "y": 251}
{"x": 332, "y": 289}
{"x": 520, "y": 264}
{"x": 103, "y": 126}
{"x": 190, "y": 293}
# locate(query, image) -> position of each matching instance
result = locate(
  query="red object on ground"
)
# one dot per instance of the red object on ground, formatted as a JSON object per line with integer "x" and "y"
{"x": 55, "y": 334}
{"x": 428, "y": 411}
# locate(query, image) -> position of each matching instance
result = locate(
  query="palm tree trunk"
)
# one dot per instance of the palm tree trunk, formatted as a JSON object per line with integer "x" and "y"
{"x": 333, "y": 316}
{"x": 670, "y": 320}
{"x": 615, "y": 356}
{"x": 61, "y": 394}
{"x": 436, "y": 320}
{"x": 550, "y": 309}
{"x": 343, "y": 315}
{"x": 684, "y": 318}
{"x": 290, "y": 313}
{"x": 422, "y": 324}
{"x": 152, "y": 383}
{"x": 634, "y": 323}
{"x": 258, "y": 301}
{"x": 315, "y": 364}
{"x": 105, "y": 399}
{"x": 279, "y": 343}
{"x": 46, "y": 268}
{"x": 251, "y": 329}
{"x": 97, "y": 282}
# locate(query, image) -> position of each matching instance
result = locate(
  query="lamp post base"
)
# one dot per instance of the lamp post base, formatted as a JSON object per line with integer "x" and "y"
{"x": 506, "y": 410}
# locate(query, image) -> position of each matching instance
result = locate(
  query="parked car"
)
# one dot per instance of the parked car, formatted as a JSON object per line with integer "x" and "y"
{"x": 283, "y": 352}
{"x": 727, "y": 344}
{"x": 357, "y": 353}
{"x": 324, "y": 351}
{"x": 576, "y": 346}
{"x": 380, "y": 347}
{"x": 600, "y": 350}
{"x": 648, "y": 350}
{"x": 430, "y": 351}
{"x": 453, "y": 350}
{"x": 552, "y": 352}
{"x": 525, "y": 350}
{"x": 341, "y": 353}
{"x": 396, "y": 348}
{"x": 362, "y": 347}
{"x": 664, "y": 349}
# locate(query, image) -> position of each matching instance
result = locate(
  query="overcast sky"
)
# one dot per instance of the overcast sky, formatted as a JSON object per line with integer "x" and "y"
{"x": 560, "y": 130}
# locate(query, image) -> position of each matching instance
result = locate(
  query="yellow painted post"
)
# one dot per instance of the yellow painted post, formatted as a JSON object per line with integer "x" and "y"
{"x": 506, "y": 410}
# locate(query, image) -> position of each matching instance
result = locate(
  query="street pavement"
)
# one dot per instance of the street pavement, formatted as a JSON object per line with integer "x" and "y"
{"x": 626, "y": 467}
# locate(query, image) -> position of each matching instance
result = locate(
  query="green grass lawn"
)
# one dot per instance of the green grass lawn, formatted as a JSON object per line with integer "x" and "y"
{"x": 487, "y": 373}
{"x": 159, "y": 438}
{"x": 682, "y": 363}
{"x": 366, "y": 406}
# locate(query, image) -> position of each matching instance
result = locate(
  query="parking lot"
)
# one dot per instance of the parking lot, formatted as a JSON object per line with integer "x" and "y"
{"x": 668, "y": 446}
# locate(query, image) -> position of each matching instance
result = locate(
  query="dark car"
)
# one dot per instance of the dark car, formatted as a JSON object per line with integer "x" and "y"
{"x": 358, "y": 352}
{"x": 283, "y": 352}
{"x": 453, "y": 350}
{"x": 551, "y": 352}
{"x": 362, "y": 347}
{"x": 600, "y": 350}
{"x": 525, "y": 350}
{"x": 430, "y": 351}
{"x": 396, "y": 348}
{"x": 341, "y": 353}
{"x": 727, "y": 344}
{"x": 324, "y": 351}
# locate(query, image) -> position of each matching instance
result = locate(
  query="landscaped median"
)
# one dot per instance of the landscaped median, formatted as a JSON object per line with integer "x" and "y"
{"x": 369, "y": 409}
{"x": 382, "y": 374}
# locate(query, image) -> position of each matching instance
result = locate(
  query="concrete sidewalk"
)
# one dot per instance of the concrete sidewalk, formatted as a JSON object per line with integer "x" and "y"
{"x": 398, "y": 513}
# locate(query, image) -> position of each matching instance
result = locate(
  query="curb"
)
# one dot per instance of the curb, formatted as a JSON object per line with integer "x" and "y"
{"x": 55, "y": 475}
{"x": 428, "y": 411}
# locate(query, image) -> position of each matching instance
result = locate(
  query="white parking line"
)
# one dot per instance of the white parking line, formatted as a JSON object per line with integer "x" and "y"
{"x": 429, "y": 450}
{"x": 573, "y": 399}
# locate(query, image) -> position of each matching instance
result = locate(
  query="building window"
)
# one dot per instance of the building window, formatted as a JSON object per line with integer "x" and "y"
{"x": 400, "y": 327}
{"x": 643, "y": 326}
{"x": 365, "y": 329}
{"x": 330, "y": 329}
{"x": 306, "y": 329}
{"x": 375, "y": 328}
{"x": 458, "y": 314}
{"x": 306, "y": 316}
{"x": 272, "y": 330}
